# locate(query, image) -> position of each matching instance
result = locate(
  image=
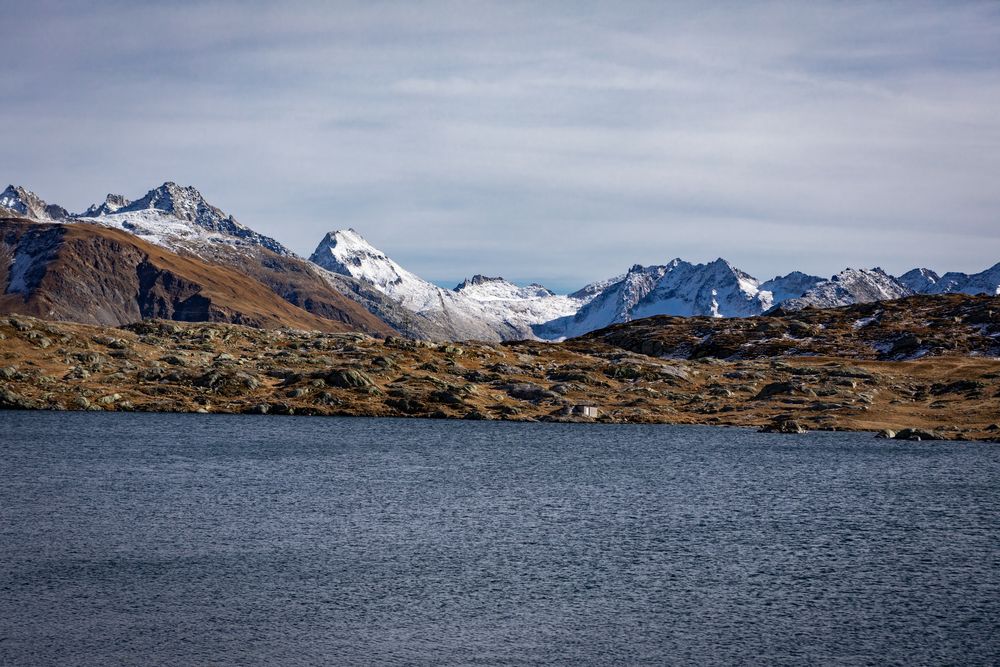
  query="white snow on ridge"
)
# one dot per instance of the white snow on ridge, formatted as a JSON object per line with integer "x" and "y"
{"x": 178, "y": 218}
{"x": 488, "y": 309}
{"x": 851, "y": 286}
{"x": 23, "y": 261}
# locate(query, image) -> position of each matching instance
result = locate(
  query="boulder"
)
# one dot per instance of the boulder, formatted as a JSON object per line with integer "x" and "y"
{"x": 235, "y": 383}
{"x": 347, "y": 378}
{"x": 783, "y": 426}
{"x": 528, "y": 391}
{"x": 776, "y": 389}
{"x": 11, "y": 400}
{"x": 916, "y": 434}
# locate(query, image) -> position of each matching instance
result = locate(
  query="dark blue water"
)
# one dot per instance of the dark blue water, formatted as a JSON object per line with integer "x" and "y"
{"x": 186, "y": 539}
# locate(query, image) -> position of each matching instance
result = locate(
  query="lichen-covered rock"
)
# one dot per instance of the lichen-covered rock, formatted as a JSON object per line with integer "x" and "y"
{"x": 11, "y": 400}
{"x": 347, "y": 378}
{"x": 228, "y": 383}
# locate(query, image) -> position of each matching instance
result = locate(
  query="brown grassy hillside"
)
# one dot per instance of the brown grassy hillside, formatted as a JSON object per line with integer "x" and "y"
{"x": 91, "y": 274}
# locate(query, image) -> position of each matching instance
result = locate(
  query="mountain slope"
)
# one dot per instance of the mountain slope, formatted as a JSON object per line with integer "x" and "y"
{"x": 789, "y": 286}
{"x": 614, "y": 302}
{"x": 921, "y": 281}
{"x": 94, "y": 275}
{"x": 482, "y": 309}
{"x": 178, "y": 218}
{"x": 925, "y": 281}
{"x": 848, "y": 287}
{"x": 716, "y": 289}
{"x": 20, "y": 202}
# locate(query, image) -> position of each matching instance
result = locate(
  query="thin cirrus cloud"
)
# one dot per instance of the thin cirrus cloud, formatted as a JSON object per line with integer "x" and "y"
{"x": 556, "y": 142}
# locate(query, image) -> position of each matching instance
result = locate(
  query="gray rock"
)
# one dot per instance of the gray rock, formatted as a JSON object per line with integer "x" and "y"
{"x": 916, "y": 434}
{"x": 527, "y": 391}
{"x": 347, "y": 378}
{"x": 776, "y": 389}
{"x": 236, "y": 383}
{"x": 11, "y": 400}
{"x": 783, "y": 426}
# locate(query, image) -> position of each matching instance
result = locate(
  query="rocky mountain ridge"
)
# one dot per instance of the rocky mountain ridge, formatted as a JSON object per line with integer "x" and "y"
{"x": 481, "y": 309}
{"x": 347, "y": 274}
{"x": 93, "y": 274}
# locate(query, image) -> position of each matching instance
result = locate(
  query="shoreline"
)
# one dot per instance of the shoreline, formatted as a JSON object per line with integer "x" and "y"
{"x": 167, "y": 366}
{"x": 875, "y": 434}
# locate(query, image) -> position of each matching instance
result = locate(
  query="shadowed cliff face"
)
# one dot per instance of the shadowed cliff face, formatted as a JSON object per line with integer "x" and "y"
{"x": 94, "y": 275}
{"x": 166, "y": 296}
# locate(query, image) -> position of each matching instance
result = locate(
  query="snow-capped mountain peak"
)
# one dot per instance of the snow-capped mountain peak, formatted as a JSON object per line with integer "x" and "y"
{"x": 346, "y": 252}
{"x": 926, "y": 281}
{"x": 718, "y": 289}
{"x": 111, "y": 204}
{"x": 789, "y": 286}
{"x": 24, "y": 202}
{"x": 920, "y": 280}
{"x": 484, "y": 288}
{"x": 184, "y": 202}
{"x": 485, "y": 308}
{"x": 178, "y": 217}
{"x": 851, "y": 286}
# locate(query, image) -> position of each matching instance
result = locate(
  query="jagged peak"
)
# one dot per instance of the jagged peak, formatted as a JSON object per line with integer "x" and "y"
{"x": 348, "y": 240}
{"x": 19, "y": 193}
{"x": 183, "y": 201}
{"x": 25, "y": 202}
{"x": 795, "y": 275}
{"x": 112, "y": 204}
{"x": 480, "y": 279}
{"x": 852, "y": 274}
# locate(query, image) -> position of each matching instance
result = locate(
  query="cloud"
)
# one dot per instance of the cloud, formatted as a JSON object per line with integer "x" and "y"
{"x": 554, "y": 141}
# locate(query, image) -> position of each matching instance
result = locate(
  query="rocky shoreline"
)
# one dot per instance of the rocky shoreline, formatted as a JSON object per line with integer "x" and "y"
{"x": 166, "y": 366}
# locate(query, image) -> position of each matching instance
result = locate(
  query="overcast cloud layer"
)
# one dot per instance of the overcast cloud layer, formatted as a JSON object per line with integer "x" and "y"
{"x": 557, "y": 142}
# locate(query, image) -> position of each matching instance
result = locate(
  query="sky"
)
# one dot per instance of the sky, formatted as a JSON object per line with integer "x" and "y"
{"x": 558, "y": 142}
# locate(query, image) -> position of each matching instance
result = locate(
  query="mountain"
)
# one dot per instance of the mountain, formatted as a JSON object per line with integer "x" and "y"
{"x": 921, "y": 281}
{"x": 351, "y": 282}
{"x": 181, "y": 220}
{"x": 95, "y": 275}
{"x": 716, "y": 289}
{"x": 484, "y": 288}
{"x": 178, "y": 218}
{"x": 914, "y": 327}
{"x": 610, "y": 302}
{"x": 111, "y": 204}
{"x": 848, "y": 287}
{"x": 483, "y": 308}
{"x": 18, "y": 201}
{"x": 789, "y": 286}
{"x": 984, "y": 282}
{"x": 925, "y": 281}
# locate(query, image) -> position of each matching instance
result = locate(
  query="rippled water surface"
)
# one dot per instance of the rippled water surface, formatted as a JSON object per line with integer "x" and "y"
{"x": 187, "y": 539}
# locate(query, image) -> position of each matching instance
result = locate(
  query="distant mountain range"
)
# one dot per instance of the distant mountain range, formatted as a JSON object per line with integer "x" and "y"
{"x": 353, "y": 285}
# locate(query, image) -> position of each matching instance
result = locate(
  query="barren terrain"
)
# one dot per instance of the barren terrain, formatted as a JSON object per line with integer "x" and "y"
{"x": 950, "y": 392}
